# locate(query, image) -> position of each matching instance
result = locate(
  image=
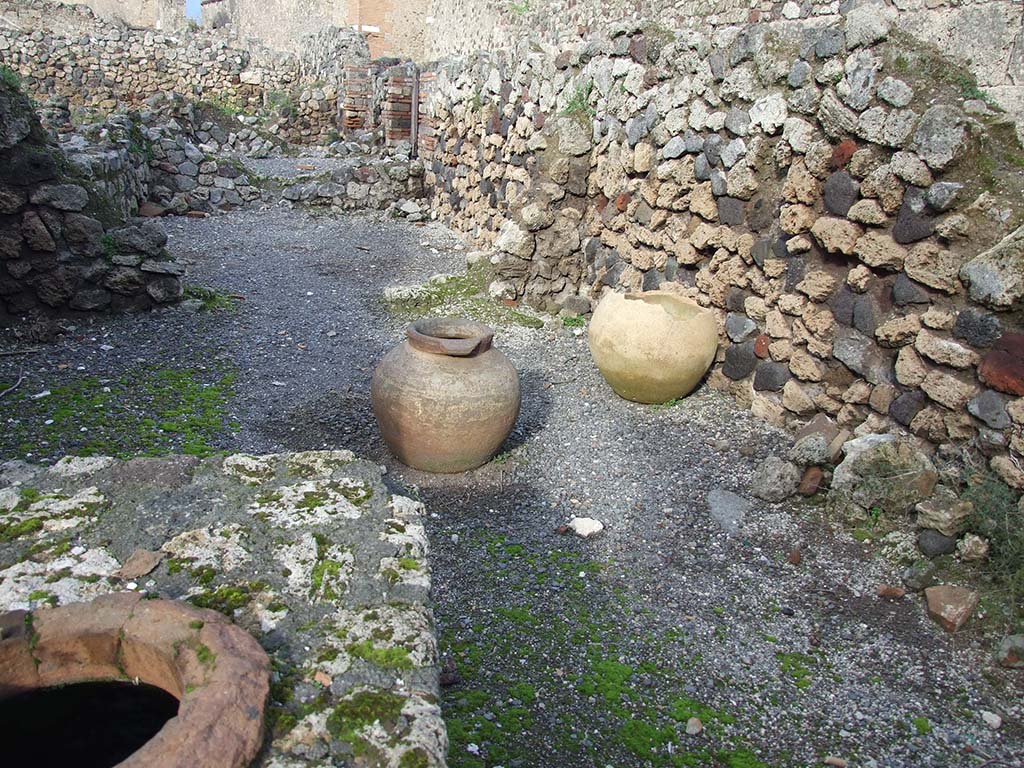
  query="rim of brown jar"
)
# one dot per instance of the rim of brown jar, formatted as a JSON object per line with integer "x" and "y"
{"x": 451, "y": 336}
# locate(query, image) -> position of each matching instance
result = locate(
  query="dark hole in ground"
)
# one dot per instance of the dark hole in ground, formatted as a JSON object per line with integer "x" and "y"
{"x": 87, "y": 725}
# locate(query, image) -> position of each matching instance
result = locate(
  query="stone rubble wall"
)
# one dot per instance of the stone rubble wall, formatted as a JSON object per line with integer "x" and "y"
{"x": 77, "y": 228}
{"x": 852, "y": 218}
{"x": 173, "y": 159}
{"x": 379, "y": 183}
{"x": 67, "y": 241}
{"x": 987, "y": 36}
{"x": 101, "y": 67}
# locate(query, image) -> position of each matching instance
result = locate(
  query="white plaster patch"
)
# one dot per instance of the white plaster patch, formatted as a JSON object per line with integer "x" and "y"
{"x": 58, "y": 512}
{"x": 426, "y": 732}
{"x": 251, "y": 470}
{"x": 9, "y": 498}
{"x": 405, "y": 508}
{"x": 316, "y": 571}
{"x": 298, "y": 559}
{"x": 219, "y": 547}
{"x": 313, "y": 502}
{"x": 400, "y": 570}
{"x": 408, "y": 538}
{"x": 267, "y": 610}
{"x": 332, "y": 574}
{"x": 307, "y": 733}
{"x": 318, "y": 464}
{"x": 55, "y": 505}
{"x": 283, "y": 762}
{"x": 74, "y": 466}
{"x": 84, "y": 579}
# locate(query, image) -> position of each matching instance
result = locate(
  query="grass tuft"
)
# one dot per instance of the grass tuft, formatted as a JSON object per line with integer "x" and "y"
{"x": 463, "y": 296}
{"x": 578, "y": 105}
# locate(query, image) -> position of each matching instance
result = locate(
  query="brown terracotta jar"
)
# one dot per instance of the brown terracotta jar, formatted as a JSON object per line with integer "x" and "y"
{"x": 445, "y": 399}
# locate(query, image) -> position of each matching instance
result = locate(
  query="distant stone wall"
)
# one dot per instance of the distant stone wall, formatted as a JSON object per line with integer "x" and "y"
{"x": 183, "y": 161}
{"x": 278, "y": 24}
{"x": 66, "y": 240}
{"x": 850, "y": 210}
{"x": 166, "y": 15}
{"x": 71, "y": 53}
{"x": 985, "y": 35}
{"x": 395, "y": 28}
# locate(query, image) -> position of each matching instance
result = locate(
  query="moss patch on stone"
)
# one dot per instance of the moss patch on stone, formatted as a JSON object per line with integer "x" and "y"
{"x": 210, "y": 299}
{"x": 363, "y": 709}
{"x": 388, "y": 658}
{"x": 228, "y": 599}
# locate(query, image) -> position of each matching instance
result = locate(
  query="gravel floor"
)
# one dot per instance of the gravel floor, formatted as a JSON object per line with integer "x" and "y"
{"x": 294, "y": 167}
{"x": 561, "y": 651}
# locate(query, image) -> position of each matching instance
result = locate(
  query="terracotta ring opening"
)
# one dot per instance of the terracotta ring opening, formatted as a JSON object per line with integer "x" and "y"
{"x": 217, "y": 671}
{"x": 453, "y": 336}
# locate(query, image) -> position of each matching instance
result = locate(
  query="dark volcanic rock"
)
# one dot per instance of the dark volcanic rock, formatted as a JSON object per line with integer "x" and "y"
{"x": 841, "y": 192}
{"x": 932, "y": 543}
{"x": 739, "y": 361}
{"x": 977, "y": 328}
{"x": 770, "y": 376}
{"x": 912, "y": 221}
{"x": 905, "y": 407}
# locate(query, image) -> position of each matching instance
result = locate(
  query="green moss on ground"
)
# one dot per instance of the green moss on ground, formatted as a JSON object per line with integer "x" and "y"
{"x": 798, "y": 667}
{"x": 622, "y": 703}
{"x": 147, "y": 411}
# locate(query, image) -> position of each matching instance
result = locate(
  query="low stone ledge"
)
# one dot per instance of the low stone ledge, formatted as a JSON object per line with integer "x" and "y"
{"x": 308, "y": 552}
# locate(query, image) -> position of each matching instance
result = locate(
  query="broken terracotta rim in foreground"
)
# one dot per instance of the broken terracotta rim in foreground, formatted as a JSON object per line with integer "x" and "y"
{"x": 216, "y": 670}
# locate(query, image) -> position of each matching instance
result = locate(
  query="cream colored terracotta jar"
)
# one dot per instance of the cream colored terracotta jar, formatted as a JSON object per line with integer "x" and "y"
{"x": 654, "y": 346}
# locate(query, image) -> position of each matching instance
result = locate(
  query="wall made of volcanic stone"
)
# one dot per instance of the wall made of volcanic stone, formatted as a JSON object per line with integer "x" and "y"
{"x": 66, "y": 239}
{"x": 852, "y": 218}
{"x": 173, "y": 159}
{"x": 986, "y": 36}
{"x": 95, "y": 65}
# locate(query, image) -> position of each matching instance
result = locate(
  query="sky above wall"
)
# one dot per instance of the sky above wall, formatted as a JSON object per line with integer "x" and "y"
{"x": 192, "y": 9}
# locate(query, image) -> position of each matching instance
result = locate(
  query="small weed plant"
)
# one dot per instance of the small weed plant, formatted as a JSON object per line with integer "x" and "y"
{"x": 10, "y": 77}
{"x": 996, "y": 518}
{"x": 578, "y": 105}
{"x": 212, "y": 299}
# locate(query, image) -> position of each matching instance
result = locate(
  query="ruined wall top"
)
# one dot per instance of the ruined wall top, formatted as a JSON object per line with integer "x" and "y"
{"x": 166, "y": 15}
{"x": 392, "y": 27}
{"x": 320, "y": 56}
{"x": 985, "y": 35}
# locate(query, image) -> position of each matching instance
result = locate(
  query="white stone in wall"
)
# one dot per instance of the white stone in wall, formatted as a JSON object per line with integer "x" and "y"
{"x": 769, "y": 112}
